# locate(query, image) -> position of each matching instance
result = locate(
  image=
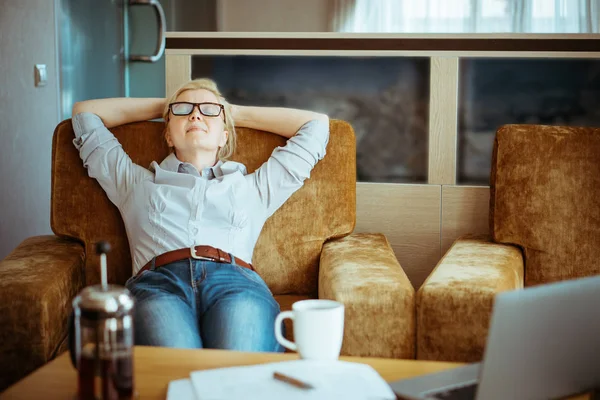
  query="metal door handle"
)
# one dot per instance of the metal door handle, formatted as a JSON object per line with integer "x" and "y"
{"x": 162, "y": 27}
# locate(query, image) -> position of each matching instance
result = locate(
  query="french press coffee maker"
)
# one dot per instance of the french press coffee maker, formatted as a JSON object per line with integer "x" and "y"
{"x": 101, "y": 339}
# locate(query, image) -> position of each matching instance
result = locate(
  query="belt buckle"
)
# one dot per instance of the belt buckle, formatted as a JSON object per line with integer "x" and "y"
{"x": 196, "y": 256}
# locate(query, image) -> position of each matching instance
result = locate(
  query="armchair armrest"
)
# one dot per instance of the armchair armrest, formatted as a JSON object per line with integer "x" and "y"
{"x": 38, "y": 281}
{"x": 454, "y": 304}
{"x": 362, "y": 272}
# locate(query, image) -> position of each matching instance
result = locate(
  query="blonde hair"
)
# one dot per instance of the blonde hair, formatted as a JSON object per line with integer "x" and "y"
{"x": 207, "y": 84}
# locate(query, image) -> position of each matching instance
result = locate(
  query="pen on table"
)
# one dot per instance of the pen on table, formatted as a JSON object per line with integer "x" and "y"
{"x": 292, "y": 381}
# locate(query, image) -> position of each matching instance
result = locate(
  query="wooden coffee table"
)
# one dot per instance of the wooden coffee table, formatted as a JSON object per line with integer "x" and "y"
{"x": 155, "y": 367}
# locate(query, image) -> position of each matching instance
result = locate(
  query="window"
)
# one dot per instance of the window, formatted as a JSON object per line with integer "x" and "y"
{"x": 385, "y": 99}
{"x": 467, "y": 16}
{"x": 495, "y": 92}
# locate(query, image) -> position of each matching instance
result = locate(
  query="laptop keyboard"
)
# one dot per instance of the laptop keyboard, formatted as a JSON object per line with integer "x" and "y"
{"x": 458, "y": 393}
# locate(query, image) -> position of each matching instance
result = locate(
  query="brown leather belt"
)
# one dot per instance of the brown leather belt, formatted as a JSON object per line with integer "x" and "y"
{"x": 207, "y": 253}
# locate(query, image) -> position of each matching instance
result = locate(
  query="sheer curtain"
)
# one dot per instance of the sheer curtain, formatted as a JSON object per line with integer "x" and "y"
{"x": 466, "y": 16}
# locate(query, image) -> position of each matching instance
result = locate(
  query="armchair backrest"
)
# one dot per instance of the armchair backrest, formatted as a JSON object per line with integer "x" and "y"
{"x": 289, "y": 247}
{"x": 545, "y": 198}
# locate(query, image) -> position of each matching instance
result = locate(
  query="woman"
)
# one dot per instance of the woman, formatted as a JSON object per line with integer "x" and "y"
{"x": 193, "y": 220}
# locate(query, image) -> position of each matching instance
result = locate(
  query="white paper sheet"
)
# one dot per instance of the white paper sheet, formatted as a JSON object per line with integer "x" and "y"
{"x": 181, "y": 389}
{"x": 330, "y": 379}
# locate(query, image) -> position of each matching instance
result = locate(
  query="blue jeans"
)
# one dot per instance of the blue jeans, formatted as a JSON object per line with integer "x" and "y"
{"x": 195, "y": 304}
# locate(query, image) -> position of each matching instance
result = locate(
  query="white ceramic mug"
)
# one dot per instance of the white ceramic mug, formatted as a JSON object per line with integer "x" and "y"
{"x": 318, "y": 329}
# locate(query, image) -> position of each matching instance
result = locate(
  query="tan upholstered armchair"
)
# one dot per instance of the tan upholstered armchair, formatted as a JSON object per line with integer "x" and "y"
{"x": 545, "y": 226}
{"x": 306, "y": 250}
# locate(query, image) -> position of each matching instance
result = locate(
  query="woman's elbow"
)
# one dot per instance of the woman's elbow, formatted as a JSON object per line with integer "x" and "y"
{"x": 324, "y": 118}
{"x": 77, "y": 109}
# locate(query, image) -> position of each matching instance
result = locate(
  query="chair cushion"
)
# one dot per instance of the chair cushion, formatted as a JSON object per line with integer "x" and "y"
{"x": 454, "y": 304}
{"x": 288, "y": 249}
{"x": 545, "y": 198}
{"x": 38, "y": 281}
{"x": 362, "y": 272}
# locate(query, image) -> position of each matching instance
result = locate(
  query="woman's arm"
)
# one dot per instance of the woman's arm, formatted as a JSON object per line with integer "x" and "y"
{"x": 288, "y": 166}
{"x": 119, "y": 111}
{"x": 100, "y": 151}
{"x": 282, "y": 121}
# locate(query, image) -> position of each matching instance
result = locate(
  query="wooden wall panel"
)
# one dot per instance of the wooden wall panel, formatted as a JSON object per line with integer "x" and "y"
{"x": 179, "y": 71}
{"x": 409, "y": 216}
{"x": 464, "y": 210}
{"x": 443, "y": 116}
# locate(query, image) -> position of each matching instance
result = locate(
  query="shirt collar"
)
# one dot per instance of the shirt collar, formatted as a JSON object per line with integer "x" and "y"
{"x": 173, "y": 164}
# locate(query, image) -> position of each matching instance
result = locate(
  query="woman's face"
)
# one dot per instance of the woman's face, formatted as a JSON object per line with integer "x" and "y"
{"x": 188, "y": 133}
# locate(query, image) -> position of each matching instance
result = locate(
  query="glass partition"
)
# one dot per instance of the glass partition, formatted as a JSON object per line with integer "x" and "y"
{"x": 494, "y": 92}
{"x": 386, "y": 99}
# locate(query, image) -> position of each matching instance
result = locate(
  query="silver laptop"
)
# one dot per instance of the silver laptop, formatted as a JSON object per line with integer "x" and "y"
{"x": 543, "y": 343}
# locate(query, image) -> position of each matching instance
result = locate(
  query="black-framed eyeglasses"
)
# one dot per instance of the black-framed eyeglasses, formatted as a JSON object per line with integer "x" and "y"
{"x": 207, "y": 109}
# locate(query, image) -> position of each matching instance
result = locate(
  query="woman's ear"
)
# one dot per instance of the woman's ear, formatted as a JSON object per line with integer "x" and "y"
{"x": 224, "y": 138}
{"x": 168, "y": 138}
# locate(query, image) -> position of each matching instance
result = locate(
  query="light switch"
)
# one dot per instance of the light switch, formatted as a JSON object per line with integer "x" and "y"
{"x": 41, "y": 76}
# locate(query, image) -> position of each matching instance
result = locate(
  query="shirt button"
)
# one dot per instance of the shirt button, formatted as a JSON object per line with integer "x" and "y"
{"x": 194, "y": 231}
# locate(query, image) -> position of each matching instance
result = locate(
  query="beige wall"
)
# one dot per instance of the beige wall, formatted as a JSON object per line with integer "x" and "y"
{"x": 28, "y": 115}
{"x": 273, "y": 15}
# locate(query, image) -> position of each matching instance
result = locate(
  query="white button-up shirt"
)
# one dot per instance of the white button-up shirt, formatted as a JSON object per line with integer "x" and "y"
{"x": 172, "y": 205}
